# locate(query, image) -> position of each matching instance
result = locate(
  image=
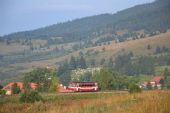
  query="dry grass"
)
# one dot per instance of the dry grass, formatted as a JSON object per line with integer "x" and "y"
{"x": 12, "y": 48}
{"x": 139, "y": 47}
{"x": 36, "y": 42}
{"x": 18, "y": 47}
{"x": 146, "y": 102}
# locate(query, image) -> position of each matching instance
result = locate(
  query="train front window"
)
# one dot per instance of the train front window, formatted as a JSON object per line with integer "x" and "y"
{"x": 72, "y": 85}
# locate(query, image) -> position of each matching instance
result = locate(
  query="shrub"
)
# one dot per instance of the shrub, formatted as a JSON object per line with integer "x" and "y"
{"x": 149, "y": 86}
{"x": 168, "y": 86}
{"x": 104, "y": 78}
{"x": 15, "y": 89}
{"x": 1, "y": 86}
{"x": 30, "y": 97}
{"x": 2, "y": 92}
{"x": 53, "y": 87}
{"x": 133, "y": 88}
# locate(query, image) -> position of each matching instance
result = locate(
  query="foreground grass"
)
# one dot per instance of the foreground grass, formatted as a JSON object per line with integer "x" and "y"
{"x": 146, "y": 102}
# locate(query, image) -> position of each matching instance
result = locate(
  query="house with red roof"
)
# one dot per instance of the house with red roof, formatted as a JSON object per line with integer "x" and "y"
{"x": 33, "y": 85}
{"x": 8, "y": 87}
{"x": 143, "y": 85}
{"x": 157, "y": 81}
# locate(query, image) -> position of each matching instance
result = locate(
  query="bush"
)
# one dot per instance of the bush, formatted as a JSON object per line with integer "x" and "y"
{"x": 53, "y": 87}
{"x": 30, "y": 97}
{"x": 168, "y": 86}
{"x": 1, "y": 86}
{"x": 15, "y": 89}
{"x": 149, "y": 86}
{"x": 133, "y": 88}
{"x": 2, "y": 92}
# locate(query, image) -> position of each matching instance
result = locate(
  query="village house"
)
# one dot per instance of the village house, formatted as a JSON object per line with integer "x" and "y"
{"x": 8, "y": 87}
{"x": 33, "y": 85}
{"x": 144, "y": 85}
{"x": 157, "y": 81}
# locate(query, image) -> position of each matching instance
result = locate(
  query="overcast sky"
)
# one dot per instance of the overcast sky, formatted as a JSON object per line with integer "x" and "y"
{"x": 21, "y": 15}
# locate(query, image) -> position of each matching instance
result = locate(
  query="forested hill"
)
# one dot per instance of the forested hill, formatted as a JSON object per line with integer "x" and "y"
{"x": 150, "y": 17}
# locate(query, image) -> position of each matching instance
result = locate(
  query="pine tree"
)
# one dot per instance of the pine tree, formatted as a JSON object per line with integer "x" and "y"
{"x": 102, "y": 61}
{"x": 110, "y": 63}
{"x": 93, "y": 62}
{"x": 158, "y": 49}
{"x": 149, "y": 47}
{"x": 82, "y": 63}
{"x": 56, "y": 49}
{"x": 63, "y": 68}
{"x": 73, "y": 63}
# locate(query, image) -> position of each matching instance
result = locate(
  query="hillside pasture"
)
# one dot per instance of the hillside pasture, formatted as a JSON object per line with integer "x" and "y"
{"x": 138, "y": 47}
{"x": 12, "y": 48}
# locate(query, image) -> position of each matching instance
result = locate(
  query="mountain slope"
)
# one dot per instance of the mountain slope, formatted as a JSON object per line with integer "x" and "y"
{"x": 151, "y": 17}
{"x": 26, "y": 54}
{"x": 138, "y": 47}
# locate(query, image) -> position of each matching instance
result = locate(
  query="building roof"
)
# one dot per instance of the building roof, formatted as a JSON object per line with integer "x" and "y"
{"x": 156, "y": 79}
{"x": 33, "y": 85}
{"x": 9, "y": 86}
{"x": 20, "y": 85}
{"x": 145, "y": 83}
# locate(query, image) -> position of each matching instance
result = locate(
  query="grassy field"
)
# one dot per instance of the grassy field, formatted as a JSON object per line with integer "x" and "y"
{"x": 114, "y": 102}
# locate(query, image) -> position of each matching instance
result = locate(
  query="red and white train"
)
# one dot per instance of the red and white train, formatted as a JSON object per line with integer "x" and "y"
{"x": 83, "y": 86}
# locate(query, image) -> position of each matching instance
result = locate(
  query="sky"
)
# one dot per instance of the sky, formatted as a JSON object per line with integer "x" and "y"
{"x": 23, "y": 15}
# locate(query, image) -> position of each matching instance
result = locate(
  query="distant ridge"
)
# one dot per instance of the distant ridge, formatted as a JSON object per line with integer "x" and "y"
{"x": 150, "y": 17}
